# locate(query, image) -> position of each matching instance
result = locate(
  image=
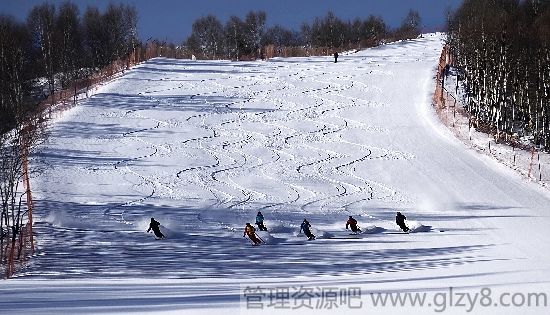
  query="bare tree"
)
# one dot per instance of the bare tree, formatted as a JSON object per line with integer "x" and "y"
{"x": 130, "y": 27}
{"x": 235, "y": 42}
{"x": 41, "y": 21}
{"x": 109, "y": 36}
{"x": 374, "y": 31}
{"x": 281, "y": 37}
{"x": 330, "y": 31}
{"x": 95, "y": 35}
{"x": 207, "y": 37}
{"x": 254, "y": 31}
{"x": 69, "y": 40}
{"x": 307, "y": 35}
{"x": 411, "y": 26}
{"x": 14, "y": 42}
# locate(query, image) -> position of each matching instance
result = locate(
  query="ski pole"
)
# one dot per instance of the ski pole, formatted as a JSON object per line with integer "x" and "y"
{"x": 248, "y": 238}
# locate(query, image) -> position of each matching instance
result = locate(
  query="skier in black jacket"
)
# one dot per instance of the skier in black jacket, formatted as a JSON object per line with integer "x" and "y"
{"x": 305, "y": 226}
{"x": 155, "y": 226}
{"x": 400, "y": 220}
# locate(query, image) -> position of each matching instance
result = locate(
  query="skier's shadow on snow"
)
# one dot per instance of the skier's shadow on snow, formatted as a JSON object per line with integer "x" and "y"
{"x": 472, "y": 211}
{"x": 150, "y": 99}
{"x": 87, "y": 240}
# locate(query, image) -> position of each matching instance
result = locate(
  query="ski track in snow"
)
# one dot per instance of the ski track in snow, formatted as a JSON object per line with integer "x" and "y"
{"x": 203, "y": 145}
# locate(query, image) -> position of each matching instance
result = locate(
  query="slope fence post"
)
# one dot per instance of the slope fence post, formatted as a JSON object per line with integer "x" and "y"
{"x": 531, "y": 162}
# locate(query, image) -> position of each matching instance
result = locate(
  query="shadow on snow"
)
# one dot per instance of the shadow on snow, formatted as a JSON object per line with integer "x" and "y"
{"x": 109, "y": 241}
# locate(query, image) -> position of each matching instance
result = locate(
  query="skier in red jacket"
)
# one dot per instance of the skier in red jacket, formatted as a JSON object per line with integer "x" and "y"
{"x": 352, "y": 223}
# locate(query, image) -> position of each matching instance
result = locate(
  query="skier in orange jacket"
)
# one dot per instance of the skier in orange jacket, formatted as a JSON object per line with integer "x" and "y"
{"x": 250, "y": 231}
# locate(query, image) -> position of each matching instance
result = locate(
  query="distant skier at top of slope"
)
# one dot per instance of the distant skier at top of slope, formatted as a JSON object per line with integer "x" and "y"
{"x": 260, "y": 221}
{"x": 352, "y": 223}
{"x": 305, "y": 226}
{"x": 335, "y": 57}
{"x": 250, "y": 231}
{"x": 155, "y": 226}
{"x": 400, "y": 220}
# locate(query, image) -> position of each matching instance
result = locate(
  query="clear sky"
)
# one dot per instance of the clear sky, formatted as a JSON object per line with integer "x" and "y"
{"x": 172, "y": 19}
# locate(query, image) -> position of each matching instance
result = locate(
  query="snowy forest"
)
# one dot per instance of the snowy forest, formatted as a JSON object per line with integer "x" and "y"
{"x": 57, "y": 47}
{"x": 502, "y": 49}
{"x": 250, "y": 38}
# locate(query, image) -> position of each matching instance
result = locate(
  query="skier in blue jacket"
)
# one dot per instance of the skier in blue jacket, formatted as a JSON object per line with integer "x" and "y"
{"x": 260, "y": 221}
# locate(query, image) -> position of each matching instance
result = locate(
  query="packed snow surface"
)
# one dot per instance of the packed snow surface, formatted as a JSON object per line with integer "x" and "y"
{"x": 202, "y": 146}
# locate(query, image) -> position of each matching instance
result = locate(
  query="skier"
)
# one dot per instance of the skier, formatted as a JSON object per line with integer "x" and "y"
{"x": 155, "y": 226}
{"x": 352, "y": 223}
{"x": 260, "y": 221}
{"x": 400, "y": 220}
{"x": 335, "y": 57}
{"x": 250, "y": 231}
{"x": 305, "y": 227}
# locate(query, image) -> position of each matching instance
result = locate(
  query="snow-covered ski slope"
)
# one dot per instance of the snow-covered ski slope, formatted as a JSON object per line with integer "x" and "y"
{"x": 201, "y": 146}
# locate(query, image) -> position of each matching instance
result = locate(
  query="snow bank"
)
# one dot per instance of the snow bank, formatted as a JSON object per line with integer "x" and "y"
{"x": 267, "y": 237}
{"x": 417, "y": 227}
{"x": 372, "y": 229}
{"x": 320, "y": 234}
{"x": 279, "y": 227}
